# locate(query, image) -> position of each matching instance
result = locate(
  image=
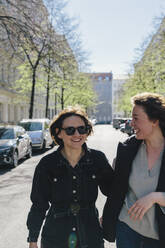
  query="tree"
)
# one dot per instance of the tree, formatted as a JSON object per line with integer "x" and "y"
{"x": 70, "y": 56}
{"x": 26, "y": 34}
{"x": 81, "y": 92}
{"x": 149, "y": 71}
{"x": 47, "y": 45}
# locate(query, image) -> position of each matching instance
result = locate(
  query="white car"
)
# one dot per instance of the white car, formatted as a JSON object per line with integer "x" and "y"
{"x": 38, "y": 130}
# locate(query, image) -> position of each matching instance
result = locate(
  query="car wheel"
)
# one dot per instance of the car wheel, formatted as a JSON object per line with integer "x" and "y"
{"x": 52, "y": 145}
{"x": 15, "y": 159}
{"x": 29, "y": 155}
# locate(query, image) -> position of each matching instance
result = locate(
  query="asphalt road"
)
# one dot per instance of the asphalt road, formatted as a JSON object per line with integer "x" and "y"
{"x": 15, "y": 186}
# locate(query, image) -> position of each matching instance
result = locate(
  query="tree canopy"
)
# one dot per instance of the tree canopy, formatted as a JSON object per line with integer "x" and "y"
{"x": 149, "y": 71}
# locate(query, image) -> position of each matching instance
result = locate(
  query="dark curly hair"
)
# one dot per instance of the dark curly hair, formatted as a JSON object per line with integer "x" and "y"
{"x": 57, "y": 122}
{"x": 153, "y": 105}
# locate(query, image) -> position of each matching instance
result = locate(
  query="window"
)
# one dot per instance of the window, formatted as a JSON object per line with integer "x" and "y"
{"x": 6, "y": 133}
{"x": 31, "y": 126}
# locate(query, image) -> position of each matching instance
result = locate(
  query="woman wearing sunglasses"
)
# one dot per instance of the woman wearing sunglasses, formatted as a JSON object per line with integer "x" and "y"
{"x": 66, "y": 184}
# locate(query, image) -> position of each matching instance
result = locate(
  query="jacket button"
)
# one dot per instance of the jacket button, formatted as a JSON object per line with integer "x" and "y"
{"x": 74, "y": 177}
{"x": 74, "y": 191}
{"x": 93, "y": 176}
{"x": 74, "y": 229}
{"x": 55, "y": 180}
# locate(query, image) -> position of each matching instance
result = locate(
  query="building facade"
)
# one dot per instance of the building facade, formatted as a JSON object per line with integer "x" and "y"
{"x": 102, "y": 85}
{"x": 13, "y": 109}
{"x": 117, "y": 88}
{"x": 14, "y": 106}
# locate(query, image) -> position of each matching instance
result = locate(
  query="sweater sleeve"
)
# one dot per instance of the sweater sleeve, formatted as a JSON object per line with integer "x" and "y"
{"x": 40, "y": 197}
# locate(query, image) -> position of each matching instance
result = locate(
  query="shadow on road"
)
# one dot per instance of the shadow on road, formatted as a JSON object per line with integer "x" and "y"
{"x": 6, "y": 168}
{"x": 39, "y": 152}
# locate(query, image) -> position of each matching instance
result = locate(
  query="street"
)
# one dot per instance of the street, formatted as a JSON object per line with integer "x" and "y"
{"x": 15, "y": 186}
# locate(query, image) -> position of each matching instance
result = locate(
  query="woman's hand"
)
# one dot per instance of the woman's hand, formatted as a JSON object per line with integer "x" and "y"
{"x": 141, "y": 206}
{"x": 33, "y": 245}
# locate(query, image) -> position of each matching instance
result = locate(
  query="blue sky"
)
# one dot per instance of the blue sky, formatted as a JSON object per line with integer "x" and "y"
{"x": 111, "y": 30}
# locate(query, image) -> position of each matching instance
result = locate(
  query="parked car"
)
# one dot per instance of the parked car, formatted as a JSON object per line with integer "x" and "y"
{"x": 128, "y": 128}
{"x": 117, "y": 122}
{"x": 93, "y": 121}
{"x": 38, "y": 130}
{"x": 122, "y": 127}
{"x": 15, "y": 144}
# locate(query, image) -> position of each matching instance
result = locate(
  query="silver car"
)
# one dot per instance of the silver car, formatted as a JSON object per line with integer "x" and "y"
{"x": 38, "y": 130}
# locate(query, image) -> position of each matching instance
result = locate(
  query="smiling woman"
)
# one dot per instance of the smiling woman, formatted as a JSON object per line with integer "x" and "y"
{"x": 135, "y": 214}
{"x": 66, "y": 184}
{"x": 62, "y": 123}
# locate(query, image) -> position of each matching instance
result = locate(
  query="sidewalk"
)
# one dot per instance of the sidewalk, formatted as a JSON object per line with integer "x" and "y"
{"x": 100, "y": 204}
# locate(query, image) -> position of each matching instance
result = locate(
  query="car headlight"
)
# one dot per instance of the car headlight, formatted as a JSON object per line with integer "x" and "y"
{"x": 5, "y": 151}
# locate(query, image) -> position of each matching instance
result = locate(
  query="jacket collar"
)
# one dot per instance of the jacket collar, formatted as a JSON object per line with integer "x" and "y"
{"x": 131, "y": 145}
{"x": 126, "y": 152}
{"x": 86, "y": 149}
{"x": 87, "y": 159}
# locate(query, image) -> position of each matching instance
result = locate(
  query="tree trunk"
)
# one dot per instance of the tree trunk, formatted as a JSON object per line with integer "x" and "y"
{"x": 47, "y": 97}
{"x": 32, "y": 94}
{"x": 62, "y": 98}
{"x": 55, "y": 103}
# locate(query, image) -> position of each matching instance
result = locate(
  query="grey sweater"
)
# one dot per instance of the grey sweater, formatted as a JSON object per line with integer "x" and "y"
{"x": 142, "y": 182}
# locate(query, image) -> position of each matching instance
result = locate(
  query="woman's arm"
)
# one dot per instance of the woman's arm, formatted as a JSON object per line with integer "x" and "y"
{"x": 159, "y": 198}
{"x": 40, "y": 196}
{"x": 33, "y": 245}
{"x": 105, "y": 175}
{"x": 141, "y": 206}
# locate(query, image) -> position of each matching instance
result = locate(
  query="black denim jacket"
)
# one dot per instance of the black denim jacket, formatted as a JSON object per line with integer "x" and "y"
{"x": 70, "y": 195}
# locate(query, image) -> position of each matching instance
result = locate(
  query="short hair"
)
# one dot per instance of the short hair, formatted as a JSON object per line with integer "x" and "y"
{"x": 65, "y": 113}
{"x": 153, "y": 105}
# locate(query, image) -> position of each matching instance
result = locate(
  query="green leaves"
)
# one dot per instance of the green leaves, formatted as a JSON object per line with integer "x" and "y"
{"x": 149, "y": 72}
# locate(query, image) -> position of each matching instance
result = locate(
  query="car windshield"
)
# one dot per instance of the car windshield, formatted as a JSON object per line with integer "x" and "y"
{"x": 6, "y": 133}
{"x": 31, "y": 126}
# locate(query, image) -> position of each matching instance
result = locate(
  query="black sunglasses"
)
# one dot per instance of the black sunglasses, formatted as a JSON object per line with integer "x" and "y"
{"x": 71, "y": 130}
